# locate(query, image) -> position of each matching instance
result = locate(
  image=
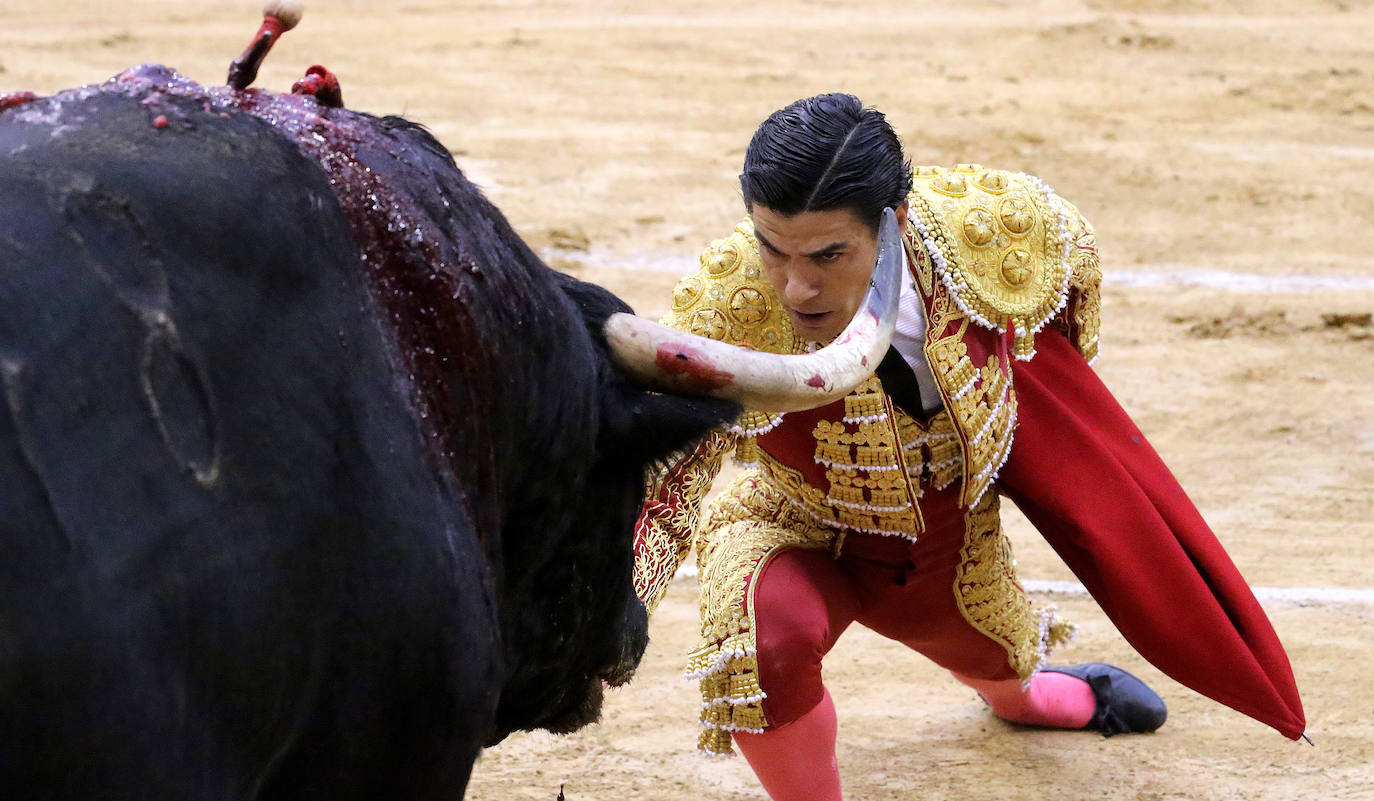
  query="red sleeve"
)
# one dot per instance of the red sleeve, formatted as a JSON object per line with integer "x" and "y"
{"x": 1085, "y": 476}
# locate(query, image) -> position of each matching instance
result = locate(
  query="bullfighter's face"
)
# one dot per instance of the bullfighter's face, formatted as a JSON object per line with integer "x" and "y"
{"x": 820, "y": 263}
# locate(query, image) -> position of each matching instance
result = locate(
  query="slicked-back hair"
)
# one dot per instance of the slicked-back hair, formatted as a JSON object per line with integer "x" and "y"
{"x": 823, "y": 153}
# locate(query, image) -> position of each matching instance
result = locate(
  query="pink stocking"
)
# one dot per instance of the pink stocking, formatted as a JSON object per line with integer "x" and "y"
{"x": 796, "y": 761}
{"x": 1054, "y": 700}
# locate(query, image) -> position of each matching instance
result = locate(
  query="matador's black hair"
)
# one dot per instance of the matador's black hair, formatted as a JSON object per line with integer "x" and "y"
{"x": 822, "y": 153}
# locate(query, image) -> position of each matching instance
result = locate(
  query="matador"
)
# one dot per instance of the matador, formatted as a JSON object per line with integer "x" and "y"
{"x": 882, "y": 508}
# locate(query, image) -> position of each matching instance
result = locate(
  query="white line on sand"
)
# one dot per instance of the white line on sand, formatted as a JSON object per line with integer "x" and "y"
{"x": 1237, "y": 282}
{"x": 1294, "y": 595}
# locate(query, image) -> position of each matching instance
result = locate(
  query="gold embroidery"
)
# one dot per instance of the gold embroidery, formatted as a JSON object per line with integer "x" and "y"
{"x": 946, "y": 459}
{"x": 746, "y": 525}
{"x": 729, "y": 298}
{"x": 920, "y": 264}
{"x": 687, "y": 291}
{"x": 1085, "y": 303}
{"x": 994, "y": 181}
{"x": 989, "y": 415}
{"x": 747, "y": 452}
{"x": 992, "y": 601}
{"x": 980, "y": 400}
{"x": 949, "y": 355}
{"x": 865, "y": 402}
{"x": 722, "y": 260}
{"x": 752, "y": 423}
{"x": 1003, "y": 240}
{"x": 934, "y": 452}
{"x": 663, "y": 535}
{"x": 869, "y": 488}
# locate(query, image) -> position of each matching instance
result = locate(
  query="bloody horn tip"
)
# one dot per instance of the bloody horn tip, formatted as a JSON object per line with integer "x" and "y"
{"x": 288, "y": 12}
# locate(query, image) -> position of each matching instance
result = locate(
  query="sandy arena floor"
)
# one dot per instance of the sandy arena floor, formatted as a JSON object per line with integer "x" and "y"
{"x": 1226, "y": 157}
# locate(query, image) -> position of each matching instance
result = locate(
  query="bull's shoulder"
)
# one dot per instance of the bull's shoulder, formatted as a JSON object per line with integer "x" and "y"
{"x": 730, "y": 300}
{"x": 1012, "y": 253}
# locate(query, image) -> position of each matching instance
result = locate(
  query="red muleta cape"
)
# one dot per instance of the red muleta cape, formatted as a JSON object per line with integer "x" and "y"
{"x": 1084, "y": 475}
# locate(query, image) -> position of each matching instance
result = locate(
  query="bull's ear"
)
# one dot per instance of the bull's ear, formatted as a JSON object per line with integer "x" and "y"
{"x": 644, "y": 427}
{"x": 594, "y": 302}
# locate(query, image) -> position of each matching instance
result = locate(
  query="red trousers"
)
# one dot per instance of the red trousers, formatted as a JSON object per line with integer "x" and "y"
{"x": 905, "y": 591}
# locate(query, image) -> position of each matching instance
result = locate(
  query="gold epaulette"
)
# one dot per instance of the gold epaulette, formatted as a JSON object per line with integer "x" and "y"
{"x": 1082, "y": 318}
{"x": 1003, "y": 244}
{"x": 729, "y": 299}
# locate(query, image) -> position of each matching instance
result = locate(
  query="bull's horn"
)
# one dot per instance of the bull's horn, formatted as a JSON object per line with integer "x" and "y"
{"x": 669, "y": 360}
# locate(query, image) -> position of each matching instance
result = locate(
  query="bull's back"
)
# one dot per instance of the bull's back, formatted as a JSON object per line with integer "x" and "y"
{"x": 230, "y": 561}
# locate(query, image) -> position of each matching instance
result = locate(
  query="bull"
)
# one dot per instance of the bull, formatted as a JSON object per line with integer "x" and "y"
{"x": 314, "y": 479}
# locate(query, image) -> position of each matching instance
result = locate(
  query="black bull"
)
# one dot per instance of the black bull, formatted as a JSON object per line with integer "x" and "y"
{"x": 313, "y": 478}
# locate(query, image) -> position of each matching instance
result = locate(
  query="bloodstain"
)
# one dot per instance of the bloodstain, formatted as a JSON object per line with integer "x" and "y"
{"x": 411, "y": 273}
{"x": 674, "y": 360}
{"x": 815, "y": 381}
{"x": 16, "y": 99}
{"x": 320, "y": 84}
{"x": 863, "y": 360}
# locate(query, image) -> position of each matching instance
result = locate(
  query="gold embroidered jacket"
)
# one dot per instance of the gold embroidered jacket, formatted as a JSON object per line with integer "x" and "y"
{"x": 995, "y": 256}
